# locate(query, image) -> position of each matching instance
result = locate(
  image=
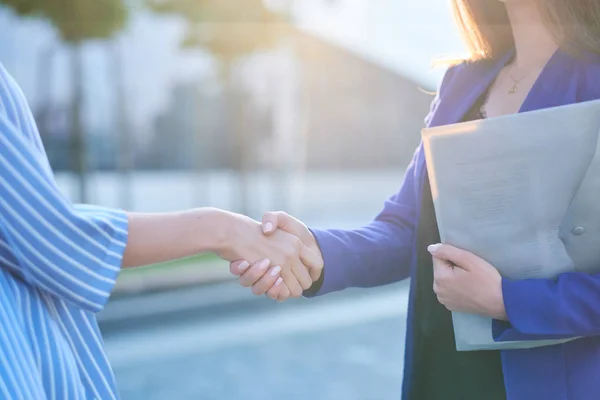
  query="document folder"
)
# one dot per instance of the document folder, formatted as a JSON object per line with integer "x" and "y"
{"x": 522, "y": 192}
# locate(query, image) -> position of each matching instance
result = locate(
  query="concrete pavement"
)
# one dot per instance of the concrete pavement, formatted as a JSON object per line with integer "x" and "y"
{"x": 219, "y": 342}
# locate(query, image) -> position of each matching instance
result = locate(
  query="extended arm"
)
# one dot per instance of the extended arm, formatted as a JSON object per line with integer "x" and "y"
{"x": 76, "y": 251}
{"x": 376, "y": 254}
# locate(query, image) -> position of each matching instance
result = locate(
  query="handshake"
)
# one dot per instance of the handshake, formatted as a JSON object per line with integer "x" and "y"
{"x": 278, "y": 257}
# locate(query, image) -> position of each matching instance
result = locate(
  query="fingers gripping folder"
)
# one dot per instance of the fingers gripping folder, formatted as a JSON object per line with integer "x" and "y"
{"x": 520, "y": 191}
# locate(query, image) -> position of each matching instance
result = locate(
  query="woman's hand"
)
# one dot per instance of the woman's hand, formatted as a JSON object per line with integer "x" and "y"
{"x": 257, "y": 277}
{"x": 279, "y": 220}
{"x": 262, "y": 279}
{"x": 245, "y": 240}
{"x": 466, "y": 283}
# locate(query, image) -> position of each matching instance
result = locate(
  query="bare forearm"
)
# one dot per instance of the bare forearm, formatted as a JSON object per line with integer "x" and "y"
{"x": 155, "y": 238}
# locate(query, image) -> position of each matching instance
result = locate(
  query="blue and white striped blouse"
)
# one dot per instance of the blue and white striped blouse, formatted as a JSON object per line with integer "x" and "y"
{"x": 58, "y": 264}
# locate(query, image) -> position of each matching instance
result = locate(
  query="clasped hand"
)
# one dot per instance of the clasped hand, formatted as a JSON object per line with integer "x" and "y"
{"x": 286, "y": 262}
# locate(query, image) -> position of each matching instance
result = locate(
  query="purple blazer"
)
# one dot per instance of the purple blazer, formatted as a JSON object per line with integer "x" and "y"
{"x": 384, "y": 251}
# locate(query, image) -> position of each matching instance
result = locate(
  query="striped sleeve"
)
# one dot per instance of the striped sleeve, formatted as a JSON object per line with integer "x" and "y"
{"x": 72, "y": 252}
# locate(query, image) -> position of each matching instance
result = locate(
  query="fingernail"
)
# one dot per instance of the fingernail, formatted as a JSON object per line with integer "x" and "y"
{"x": 432, "y": 248}
{"x": 268, "y": 227}
{"x": 275, "y": 271}
{"x": 278, "y": 281}
{"x": 243, "y": 266}
{"x": 264, "y": 264}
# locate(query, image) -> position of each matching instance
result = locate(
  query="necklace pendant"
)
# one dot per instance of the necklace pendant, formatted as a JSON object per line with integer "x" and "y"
{"x": 513, "y": 89}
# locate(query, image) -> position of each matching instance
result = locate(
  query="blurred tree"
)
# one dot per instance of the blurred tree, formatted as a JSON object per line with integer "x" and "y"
{"x": 76, "y": 22}
{"x": 230, "y": 30}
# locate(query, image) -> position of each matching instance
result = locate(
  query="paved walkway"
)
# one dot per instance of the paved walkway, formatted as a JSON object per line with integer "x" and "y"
{"x": 347, "y": 346}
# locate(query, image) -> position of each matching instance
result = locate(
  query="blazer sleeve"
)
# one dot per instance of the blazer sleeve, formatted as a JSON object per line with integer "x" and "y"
{"x": 381, "y": 252}
{"x": 565, "y": 307}
{"x": 373, "y": 255}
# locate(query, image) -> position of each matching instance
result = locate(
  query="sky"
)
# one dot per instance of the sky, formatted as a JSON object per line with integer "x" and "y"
{"x": 404, "y": 35}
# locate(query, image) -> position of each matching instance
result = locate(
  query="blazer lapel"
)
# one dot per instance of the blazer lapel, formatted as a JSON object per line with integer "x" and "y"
{"x": 556, "y": 86}
{"x": 458, "y": 97}
{"x": 461, "y": 93}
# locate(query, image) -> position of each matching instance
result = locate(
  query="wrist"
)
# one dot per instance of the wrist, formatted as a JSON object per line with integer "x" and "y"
{"x": 230, "y": 231}
{"x": 212, "y": 227}
{"x": 499, "y": 311}
{"x": 313, "y": 245}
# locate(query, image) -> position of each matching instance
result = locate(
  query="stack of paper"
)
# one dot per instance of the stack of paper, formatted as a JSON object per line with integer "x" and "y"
{"x": 521, "y": 192}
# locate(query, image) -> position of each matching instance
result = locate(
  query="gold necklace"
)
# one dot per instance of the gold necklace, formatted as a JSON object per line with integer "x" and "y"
{"x": 515, "y": 82}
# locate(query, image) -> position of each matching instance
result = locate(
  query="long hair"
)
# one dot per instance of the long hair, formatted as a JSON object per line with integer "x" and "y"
{"x": 485, "y": 27}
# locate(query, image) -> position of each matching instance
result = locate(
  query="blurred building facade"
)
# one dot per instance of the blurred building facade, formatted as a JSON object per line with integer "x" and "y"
{"x": 311, "y": 103}
{"x": 360, "y": 114}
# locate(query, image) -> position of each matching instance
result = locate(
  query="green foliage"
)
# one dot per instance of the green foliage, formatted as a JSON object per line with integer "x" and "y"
{"x": 75, "y": 20}
{"x": 227, "y": 28}
{"x": 224, "y": 11}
